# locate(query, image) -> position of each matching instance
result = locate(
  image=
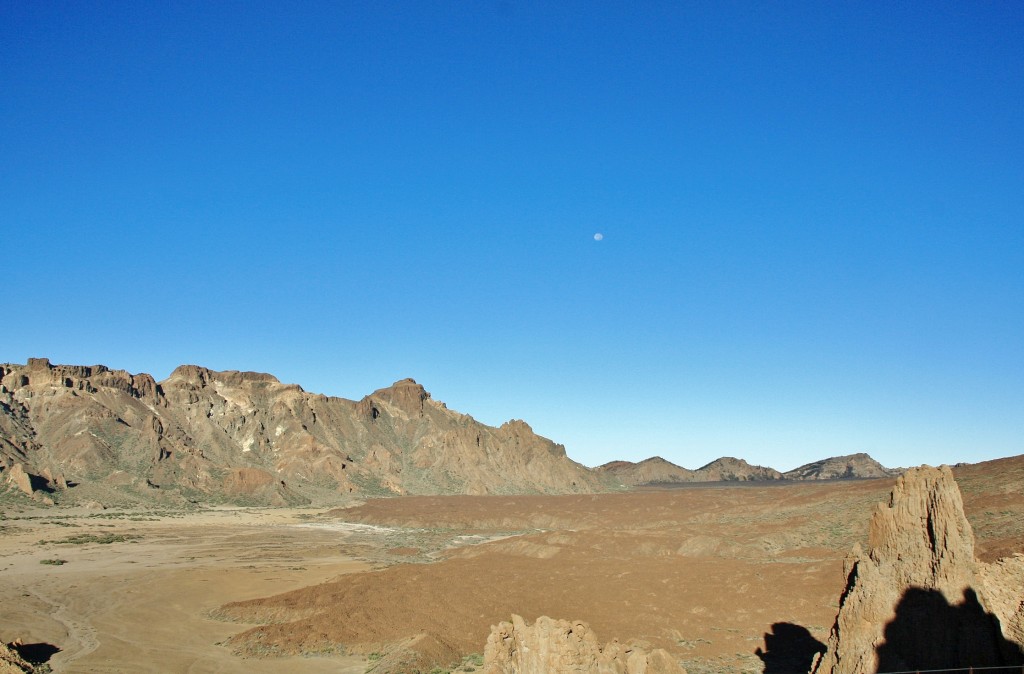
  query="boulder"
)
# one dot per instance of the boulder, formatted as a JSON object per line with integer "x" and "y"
{"x": 19, "y": 479}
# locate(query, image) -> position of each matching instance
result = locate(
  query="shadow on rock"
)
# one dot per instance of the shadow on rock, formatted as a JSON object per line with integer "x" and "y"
{"x": 788, "y": 648}
{"x": 929, "y": 633}
{"x": 36, "y": 654}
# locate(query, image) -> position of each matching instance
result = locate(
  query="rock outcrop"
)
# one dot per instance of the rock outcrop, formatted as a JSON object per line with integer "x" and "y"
{"x": 919, "y": 599}
{"x": 12, "y": 663}
{"x": 559, "y": 647}
{"x": 19, "y": 479}
{"x": 851, "y": 466}
{"x": 248, "y": 438}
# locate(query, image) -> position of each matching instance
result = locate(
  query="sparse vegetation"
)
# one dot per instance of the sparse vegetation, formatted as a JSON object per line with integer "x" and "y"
{"x": 471, "y": 662}
{"x": 99, "y": 539}
{"x": 54, "y": 562}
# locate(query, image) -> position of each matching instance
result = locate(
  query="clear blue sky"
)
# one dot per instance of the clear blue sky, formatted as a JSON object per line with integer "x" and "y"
{"x": 813, "y": 213}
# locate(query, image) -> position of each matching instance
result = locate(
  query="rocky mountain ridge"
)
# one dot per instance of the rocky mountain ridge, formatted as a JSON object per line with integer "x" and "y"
{"x": 244, "y": 437}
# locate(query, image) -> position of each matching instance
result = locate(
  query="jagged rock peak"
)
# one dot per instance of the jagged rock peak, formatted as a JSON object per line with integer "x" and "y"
{"x": 196, "y": 374}
{"x": 561, "y": 646}
{"x": 405, "y": 394}
{"x": 191, "y": 373}
{"x": 517, "y": 426}
{"x": 918, "y": 599}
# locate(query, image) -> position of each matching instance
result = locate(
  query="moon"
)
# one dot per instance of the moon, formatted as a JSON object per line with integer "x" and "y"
{"x": 598, "y": 236}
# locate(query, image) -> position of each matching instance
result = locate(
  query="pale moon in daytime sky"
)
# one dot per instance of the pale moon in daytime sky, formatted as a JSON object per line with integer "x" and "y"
{"x": 598, "y": 236}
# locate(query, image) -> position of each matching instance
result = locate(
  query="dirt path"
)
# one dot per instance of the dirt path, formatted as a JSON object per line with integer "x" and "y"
{"x": 81, "y": 636}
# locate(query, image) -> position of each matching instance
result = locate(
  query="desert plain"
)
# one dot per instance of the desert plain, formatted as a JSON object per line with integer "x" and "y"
{"x": 725, "y": 577}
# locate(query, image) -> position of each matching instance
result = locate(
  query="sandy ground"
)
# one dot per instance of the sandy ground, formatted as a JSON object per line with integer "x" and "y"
{"x": 142, "y": 605}
{"x": 726, "y": 578}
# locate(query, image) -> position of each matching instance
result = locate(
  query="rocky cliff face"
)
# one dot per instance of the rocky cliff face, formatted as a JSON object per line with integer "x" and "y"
{"x": 246, "y": 437}
{"x": 560, "y": 647}
{"x": 841, "y": 468}
{"x": 919, "y": 599}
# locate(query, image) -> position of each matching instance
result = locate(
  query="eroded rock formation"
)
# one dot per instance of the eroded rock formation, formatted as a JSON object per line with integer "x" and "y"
{"x": 919, "y": 599}
{"x": 559, "y": 647}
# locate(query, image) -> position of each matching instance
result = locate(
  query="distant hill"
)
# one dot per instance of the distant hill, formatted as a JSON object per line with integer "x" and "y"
{"x": 657, "y": 470}
{"x": 841, "y": 467}
{"x": 654, "y": 470}
{"x": 730, "y": 469}
{"x": 244, "y": 437}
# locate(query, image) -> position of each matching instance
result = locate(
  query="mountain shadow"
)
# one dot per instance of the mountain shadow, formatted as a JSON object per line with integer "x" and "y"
{"x": 788, "y": 648}
{"x": 929, "y": 633}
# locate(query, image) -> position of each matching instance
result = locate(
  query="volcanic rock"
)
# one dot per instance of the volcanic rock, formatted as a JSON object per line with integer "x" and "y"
{"x": 919, "y": 599}
{"x": 559, "y": 646}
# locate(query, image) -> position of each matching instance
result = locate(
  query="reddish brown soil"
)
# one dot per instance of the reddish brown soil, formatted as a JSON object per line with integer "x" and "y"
{"x": 705, "y": 572}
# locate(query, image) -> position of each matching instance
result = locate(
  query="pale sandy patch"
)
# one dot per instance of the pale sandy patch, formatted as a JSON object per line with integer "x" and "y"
{"x": 143, "y": 605}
